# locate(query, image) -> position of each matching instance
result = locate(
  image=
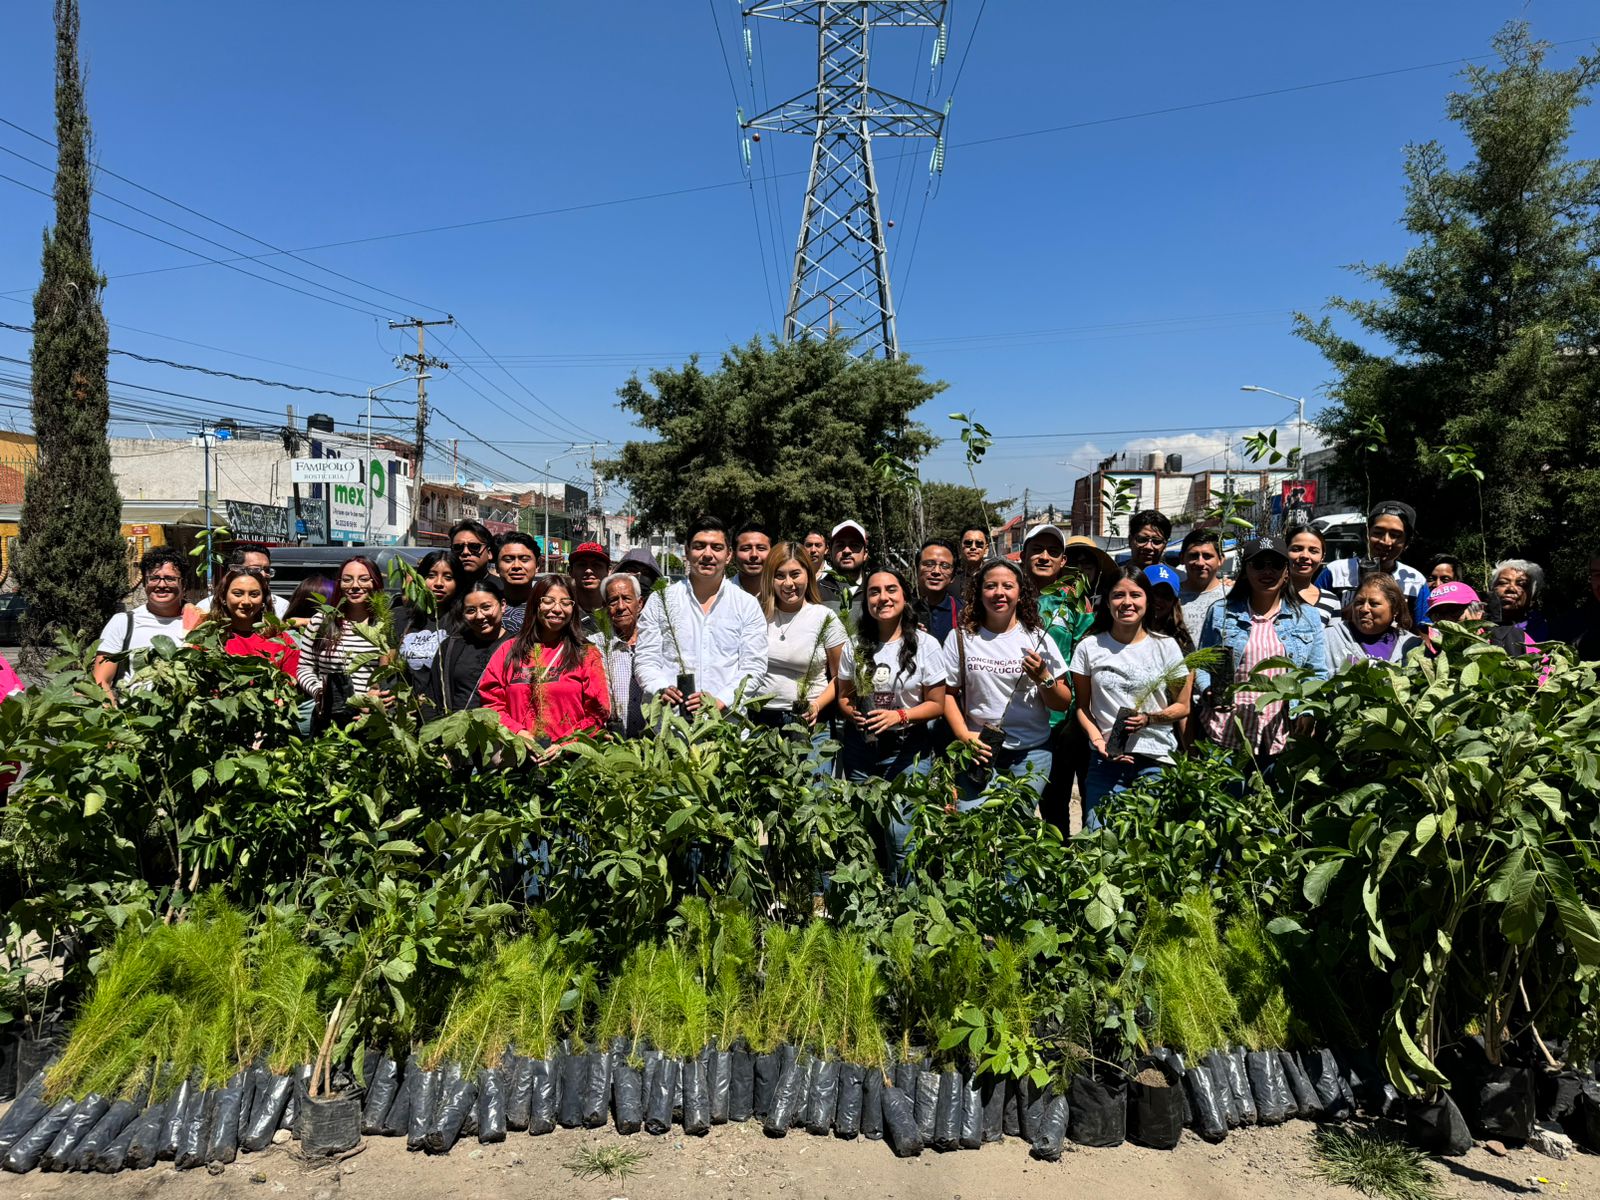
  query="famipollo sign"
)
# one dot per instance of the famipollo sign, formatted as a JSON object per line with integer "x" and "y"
{"x": 325, "y": 470}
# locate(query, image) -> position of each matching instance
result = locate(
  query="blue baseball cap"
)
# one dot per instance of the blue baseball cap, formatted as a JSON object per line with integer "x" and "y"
{"x": 1160, "y": 574}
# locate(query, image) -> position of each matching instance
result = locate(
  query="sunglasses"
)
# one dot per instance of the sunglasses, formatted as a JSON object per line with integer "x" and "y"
{"x": 469, "y": 548}
{"x": 973, "y": 543}
{"x": 1266, "y": 563}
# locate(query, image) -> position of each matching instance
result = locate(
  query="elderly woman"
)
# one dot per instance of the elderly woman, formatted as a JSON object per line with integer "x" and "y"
{"x": 621, "y": 600}
{"x": 1520, "y": 584}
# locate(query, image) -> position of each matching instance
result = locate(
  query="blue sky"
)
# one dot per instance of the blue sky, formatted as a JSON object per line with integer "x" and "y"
{"x": 1160, "y": 255}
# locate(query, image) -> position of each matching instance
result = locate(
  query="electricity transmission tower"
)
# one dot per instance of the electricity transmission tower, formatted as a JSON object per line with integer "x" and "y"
{"x": 841, "y": 265}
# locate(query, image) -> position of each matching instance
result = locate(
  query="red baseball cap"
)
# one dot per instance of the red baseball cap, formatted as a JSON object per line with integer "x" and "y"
{"x": 594, "y": 548}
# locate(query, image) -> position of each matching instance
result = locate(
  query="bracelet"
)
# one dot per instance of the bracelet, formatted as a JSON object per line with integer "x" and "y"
{"x": 904, "y": 720}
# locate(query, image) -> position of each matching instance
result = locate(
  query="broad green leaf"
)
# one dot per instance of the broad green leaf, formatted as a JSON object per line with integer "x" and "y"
{"x": 1318, "y": 879}
{"x": 1388, "y": 848}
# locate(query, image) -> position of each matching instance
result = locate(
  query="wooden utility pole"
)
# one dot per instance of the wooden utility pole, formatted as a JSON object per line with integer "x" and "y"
{"x": 421, "y": 362}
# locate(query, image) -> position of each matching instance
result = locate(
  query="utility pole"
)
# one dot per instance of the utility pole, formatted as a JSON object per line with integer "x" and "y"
{"x": 841, "y": 264}
{"x": 421, "y": 362}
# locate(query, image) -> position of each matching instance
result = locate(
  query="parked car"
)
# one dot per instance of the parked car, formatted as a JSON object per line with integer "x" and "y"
{"x": 293, "y": 565}
{"x": 1344, "y": 534}
{"x": 12, "y": 607}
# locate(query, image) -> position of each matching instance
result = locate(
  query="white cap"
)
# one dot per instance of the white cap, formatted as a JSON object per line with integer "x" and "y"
{"x": 847, "y": 525}
{"x": 1038, "y": 529}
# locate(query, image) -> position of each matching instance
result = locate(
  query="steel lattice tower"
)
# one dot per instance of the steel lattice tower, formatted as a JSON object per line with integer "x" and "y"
{"x": 841, "y": 265}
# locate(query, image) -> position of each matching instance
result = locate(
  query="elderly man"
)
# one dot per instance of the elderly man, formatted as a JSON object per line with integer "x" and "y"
{"x": 616, "y": 639}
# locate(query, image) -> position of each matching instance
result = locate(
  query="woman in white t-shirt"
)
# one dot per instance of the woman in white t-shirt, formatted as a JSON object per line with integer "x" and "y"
{"x": 804, "y": 641}
{"x": 1123, "y": 670}
{"x": 1005, "y": 676}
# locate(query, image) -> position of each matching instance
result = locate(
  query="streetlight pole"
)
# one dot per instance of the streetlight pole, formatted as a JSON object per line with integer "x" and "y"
{"x": 366, "y": 466}
{"x": 545, "y": 488}
{"x": 1299, "y": 403}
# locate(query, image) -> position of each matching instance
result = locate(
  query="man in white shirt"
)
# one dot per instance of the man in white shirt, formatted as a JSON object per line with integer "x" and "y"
{"x": 1390, "y": 527}
{"x": 705, "y": 626}
{"x": 127, "y": 637}
{"x": 258, "y": 557}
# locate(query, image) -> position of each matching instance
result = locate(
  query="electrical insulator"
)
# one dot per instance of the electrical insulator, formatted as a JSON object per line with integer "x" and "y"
{"x": 745, "y": 145}
{"x": 940, "y": 45}
{"x": 749, "y": 52}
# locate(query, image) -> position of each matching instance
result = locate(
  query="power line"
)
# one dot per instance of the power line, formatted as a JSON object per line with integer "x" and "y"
{"x": 587, "y": 434}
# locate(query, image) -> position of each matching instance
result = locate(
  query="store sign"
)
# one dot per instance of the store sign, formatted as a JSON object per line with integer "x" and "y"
{"x": 325, "y": 470}
{"x": 274, "y": 522}
{"x": 375, "y": 509}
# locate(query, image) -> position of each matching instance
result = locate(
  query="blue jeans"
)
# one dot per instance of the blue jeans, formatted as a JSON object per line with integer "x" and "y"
{"x": 1031, "y": 766}
{"x": 888, "y": 758}
{"x": 1106, "y": 778}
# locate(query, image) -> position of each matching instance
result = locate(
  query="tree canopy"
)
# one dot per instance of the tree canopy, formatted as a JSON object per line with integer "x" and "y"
{"x": 1493, "y": 317}
{"x": 786, "y": 434}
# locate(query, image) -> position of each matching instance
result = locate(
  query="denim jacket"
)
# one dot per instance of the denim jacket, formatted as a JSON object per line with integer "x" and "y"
{"x": 1299, "y": 629}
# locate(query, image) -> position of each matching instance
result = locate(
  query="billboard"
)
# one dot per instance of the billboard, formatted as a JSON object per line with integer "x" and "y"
{"x": 375, "y": 509}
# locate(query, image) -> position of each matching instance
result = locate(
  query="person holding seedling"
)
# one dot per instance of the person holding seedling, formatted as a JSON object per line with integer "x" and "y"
{"x": 804, "y": 640}
{"x": 338, "y": 660}
{"x": 1004, "y": 677}
{"x": 1132, "y": 688}
{"x": 237, "y": 604}
{"x": 422, "y": 626}
{"x": 461, "y": 659}
{"x": 547, "y": 683}
{"x": 616, "y": 640}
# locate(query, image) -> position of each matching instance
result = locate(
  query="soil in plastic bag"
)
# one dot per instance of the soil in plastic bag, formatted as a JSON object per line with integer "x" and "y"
{"x": 1558, "y": 1094}
{"x": 971, "y": 1115}
{"x": 197, "y": 1116}
{"x": 900, "y": 1124}
{"x": 1323, "y": 1071}
{"x": 145, "y": 1144}
{"x": 266, "y": 1110}
{"x": 872, "y": 1105}
{"x": 574, "y": 1078}
{"x": 24, "y": 1113}
{"x": 329, "y": 1125}
{"x": 57, "y": 1156}
{"x": 546, "y": 1091}
{"x": 1031, "y": 1103}
{"x": 1050, "y": 1135}
{"x": 904, "y": 1075}
{"x": 1155, "y": 1104}
{"x": 595, "y": 1105}
{"x": 947, "y": 1113}
{"x": 787, "y": 1099}
{"x": 1011, "y": 1114}
{"x": 925, "y": 1105}
{"x": 742, "y": 1084}
{"x": 300, "y": 1083}
{"x": 1099, "y": 1110}
{"x": 993, "y": 1090}
{"x": 768, "y": 1069}
{"x": 382, "y": 1087}
{"x": 1205, "y": 1101}
{"x": 222, "y": 1139}
{"x": 847, "y": 1109}
{"x": 663, "y": 1087}
{"x": 1306, "y": 1102}
{"x": 424, "y": 1089}
{"x": 458, "y": 1098}
{"x": 1437, "y": 1126}
{"x": 28, "y": 1149}
{"x": 1214, "y": 1063}
{"x": 1269, "y": 1087}
{"x": 719, "y": 1078}
{"x": 111, "y": 1157}
{"x": 1583, "y": 1122}
{"x": 256, "y": 1076}
{"x": 1239, "y": 1081}
{"x": 172, "y": 1125}
{"x": 627, "y": 1096}
{"x": 519, "y": 1093}
{"x": 35, "y": 1051}
{"x": 822, "y": 1097}
{"x": 1505, "y": 1107}
{"x": 107, "y": 1130}
{"x": 696, "y": 1096}
{"x": 491, "y": 1107}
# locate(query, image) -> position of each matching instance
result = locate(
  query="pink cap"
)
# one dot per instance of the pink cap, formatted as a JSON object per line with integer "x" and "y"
{"x": 1452, "y": 593}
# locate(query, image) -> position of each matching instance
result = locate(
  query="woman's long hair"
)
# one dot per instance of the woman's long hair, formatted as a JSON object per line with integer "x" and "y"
{"x": 1027, "y": 597}
{"x": 333, "y": 630}
{"x": 1102, "y": 615}
{"x": 446, "y": 616}
{"x": 304, "y": 601}
{"x": 868, "y": 643}
{"x": 529, "y": 637}
{"x": 219, "y": 612}
{"x": 782, "y": 553}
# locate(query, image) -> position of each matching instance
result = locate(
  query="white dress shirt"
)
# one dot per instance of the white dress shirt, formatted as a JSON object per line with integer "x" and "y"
{"x": 723, "y": 648}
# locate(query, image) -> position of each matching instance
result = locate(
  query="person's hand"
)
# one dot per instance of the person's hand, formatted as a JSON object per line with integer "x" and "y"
{"x": 882, "y": 721}
{"x": 382, "y": 696}
{"x": 1138, "y": 721}
{"x": 854, "y": 713}
{"x": 1033, "y": 666}
{"x": 671, "y": 695}
{"x": 1099, "y": 745}
{"x": 982, "y": 747}
{"x": 813, "y": 715}
{"x": 547, "y": 755}
{"x": 701, "y": 700}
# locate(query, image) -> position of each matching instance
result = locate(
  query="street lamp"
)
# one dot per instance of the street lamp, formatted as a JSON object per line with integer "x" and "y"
{"x": 545, "y": 548}
{"x": 366, "y": 466}
{"x": 1300, "y": 407}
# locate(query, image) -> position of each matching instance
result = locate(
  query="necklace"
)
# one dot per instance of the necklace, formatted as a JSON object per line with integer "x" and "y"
{"x": 783, "y": 621}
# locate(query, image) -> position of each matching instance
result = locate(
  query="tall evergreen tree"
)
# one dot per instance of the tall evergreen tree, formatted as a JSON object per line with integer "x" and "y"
{"x": 1494, "y": 320}
{"x": 72, "y": 556}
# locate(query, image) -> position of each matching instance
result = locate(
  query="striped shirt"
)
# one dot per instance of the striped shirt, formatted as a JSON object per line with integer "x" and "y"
{"x": 319, "y": 660}
{"x": 1263, "y": 729}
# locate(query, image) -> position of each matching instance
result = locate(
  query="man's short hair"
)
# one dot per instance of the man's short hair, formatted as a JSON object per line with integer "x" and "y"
{"x": 1195, "y": 536}
{"x": 975, "y": 529}
{"x": 517, "y": 538}
{"x": 477, "y": 528}
{"x": 753, "y": 527}
{"x": 240, "y": 549}
{"x": 941, "y": 543}
{"x": 162, "y": 556}
{"x": 1151, "y": 516}
{"x": 707, "y": 524}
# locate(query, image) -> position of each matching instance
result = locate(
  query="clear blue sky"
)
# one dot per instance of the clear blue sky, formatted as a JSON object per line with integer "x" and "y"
{"x": 1163, "y": 252}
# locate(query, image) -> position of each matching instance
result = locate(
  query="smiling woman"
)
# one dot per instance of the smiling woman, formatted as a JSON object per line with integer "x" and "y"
{"x": 128, "y": 636}
{"x": 337, "y": 661}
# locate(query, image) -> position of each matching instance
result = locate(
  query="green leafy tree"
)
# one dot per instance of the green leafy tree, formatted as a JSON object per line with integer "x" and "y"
{"x": 784, "y": 433}
{"x": 71, "y": 556}
{"x": 948, "y": 508}
{"x": 1493, "y": 317}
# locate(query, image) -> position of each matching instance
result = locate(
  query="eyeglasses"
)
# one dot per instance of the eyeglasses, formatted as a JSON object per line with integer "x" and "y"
{"x": 1150, "y": 541}
{"x": 172, "y": 579}
{"x": 470, "y": 548}
{"x": 933, "y": 567}
{"x": 356, "y": 581}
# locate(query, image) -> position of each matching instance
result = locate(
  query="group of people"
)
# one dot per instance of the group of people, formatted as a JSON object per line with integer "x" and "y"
{"x": 1063, "y": 670}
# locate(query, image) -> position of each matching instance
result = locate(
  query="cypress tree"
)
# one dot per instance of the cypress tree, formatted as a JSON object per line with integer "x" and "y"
{"x": 72, "y": 558}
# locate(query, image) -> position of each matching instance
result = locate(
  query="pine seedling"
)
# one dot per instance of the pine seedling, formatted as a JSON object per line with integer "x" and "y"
{"x": 1255, "y": 975}
{"x": 1195, "y": 1011}
{"x": 630, "y": 1004}
{"x": 682, "y": 1006}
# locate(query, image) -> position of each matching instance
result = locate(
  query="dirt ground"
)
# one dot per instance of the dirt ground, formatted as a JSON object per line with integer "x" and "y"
{"x": 738, "y": 1161}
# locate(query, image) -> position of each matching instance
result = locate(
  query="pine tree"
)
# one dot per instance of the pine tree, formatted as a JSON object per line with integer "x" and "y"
{"x": 72, "y": 555}
{"x": 1494, "y": 320}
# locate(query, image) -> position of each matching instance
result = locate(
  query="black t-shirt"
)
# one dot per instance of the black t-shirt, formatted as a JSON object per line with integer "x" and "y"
{"x": 457, "y": 669}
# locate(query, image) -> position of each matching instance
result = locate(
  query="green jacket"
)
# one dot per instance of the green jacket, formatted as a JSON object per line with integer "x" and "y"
{"x": 1066, "y": 608}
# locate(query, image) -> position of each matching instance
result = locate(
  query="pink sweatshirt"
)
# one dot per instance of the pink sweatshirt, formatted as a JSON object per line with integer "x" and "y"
{"x": 564, "y": 703}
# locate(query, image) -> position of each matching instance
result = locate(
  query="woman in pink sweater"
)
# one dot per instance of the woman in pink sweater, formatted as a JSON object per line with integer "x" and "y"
{"x": 548, "y": 683}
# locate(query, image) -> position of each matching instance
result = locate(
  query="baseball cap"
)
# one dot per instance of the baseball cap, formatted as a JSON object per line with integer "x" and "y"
{"x": 847, "y": 525}
{"x": 1160, "y": 574}
{"x": 1453, "y": 593}
{"x": 1040, "y": 530}
{"x": 1394, "y": 508}
{"x": 1255, "y": 547}
{"x": 594, "y": 548}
